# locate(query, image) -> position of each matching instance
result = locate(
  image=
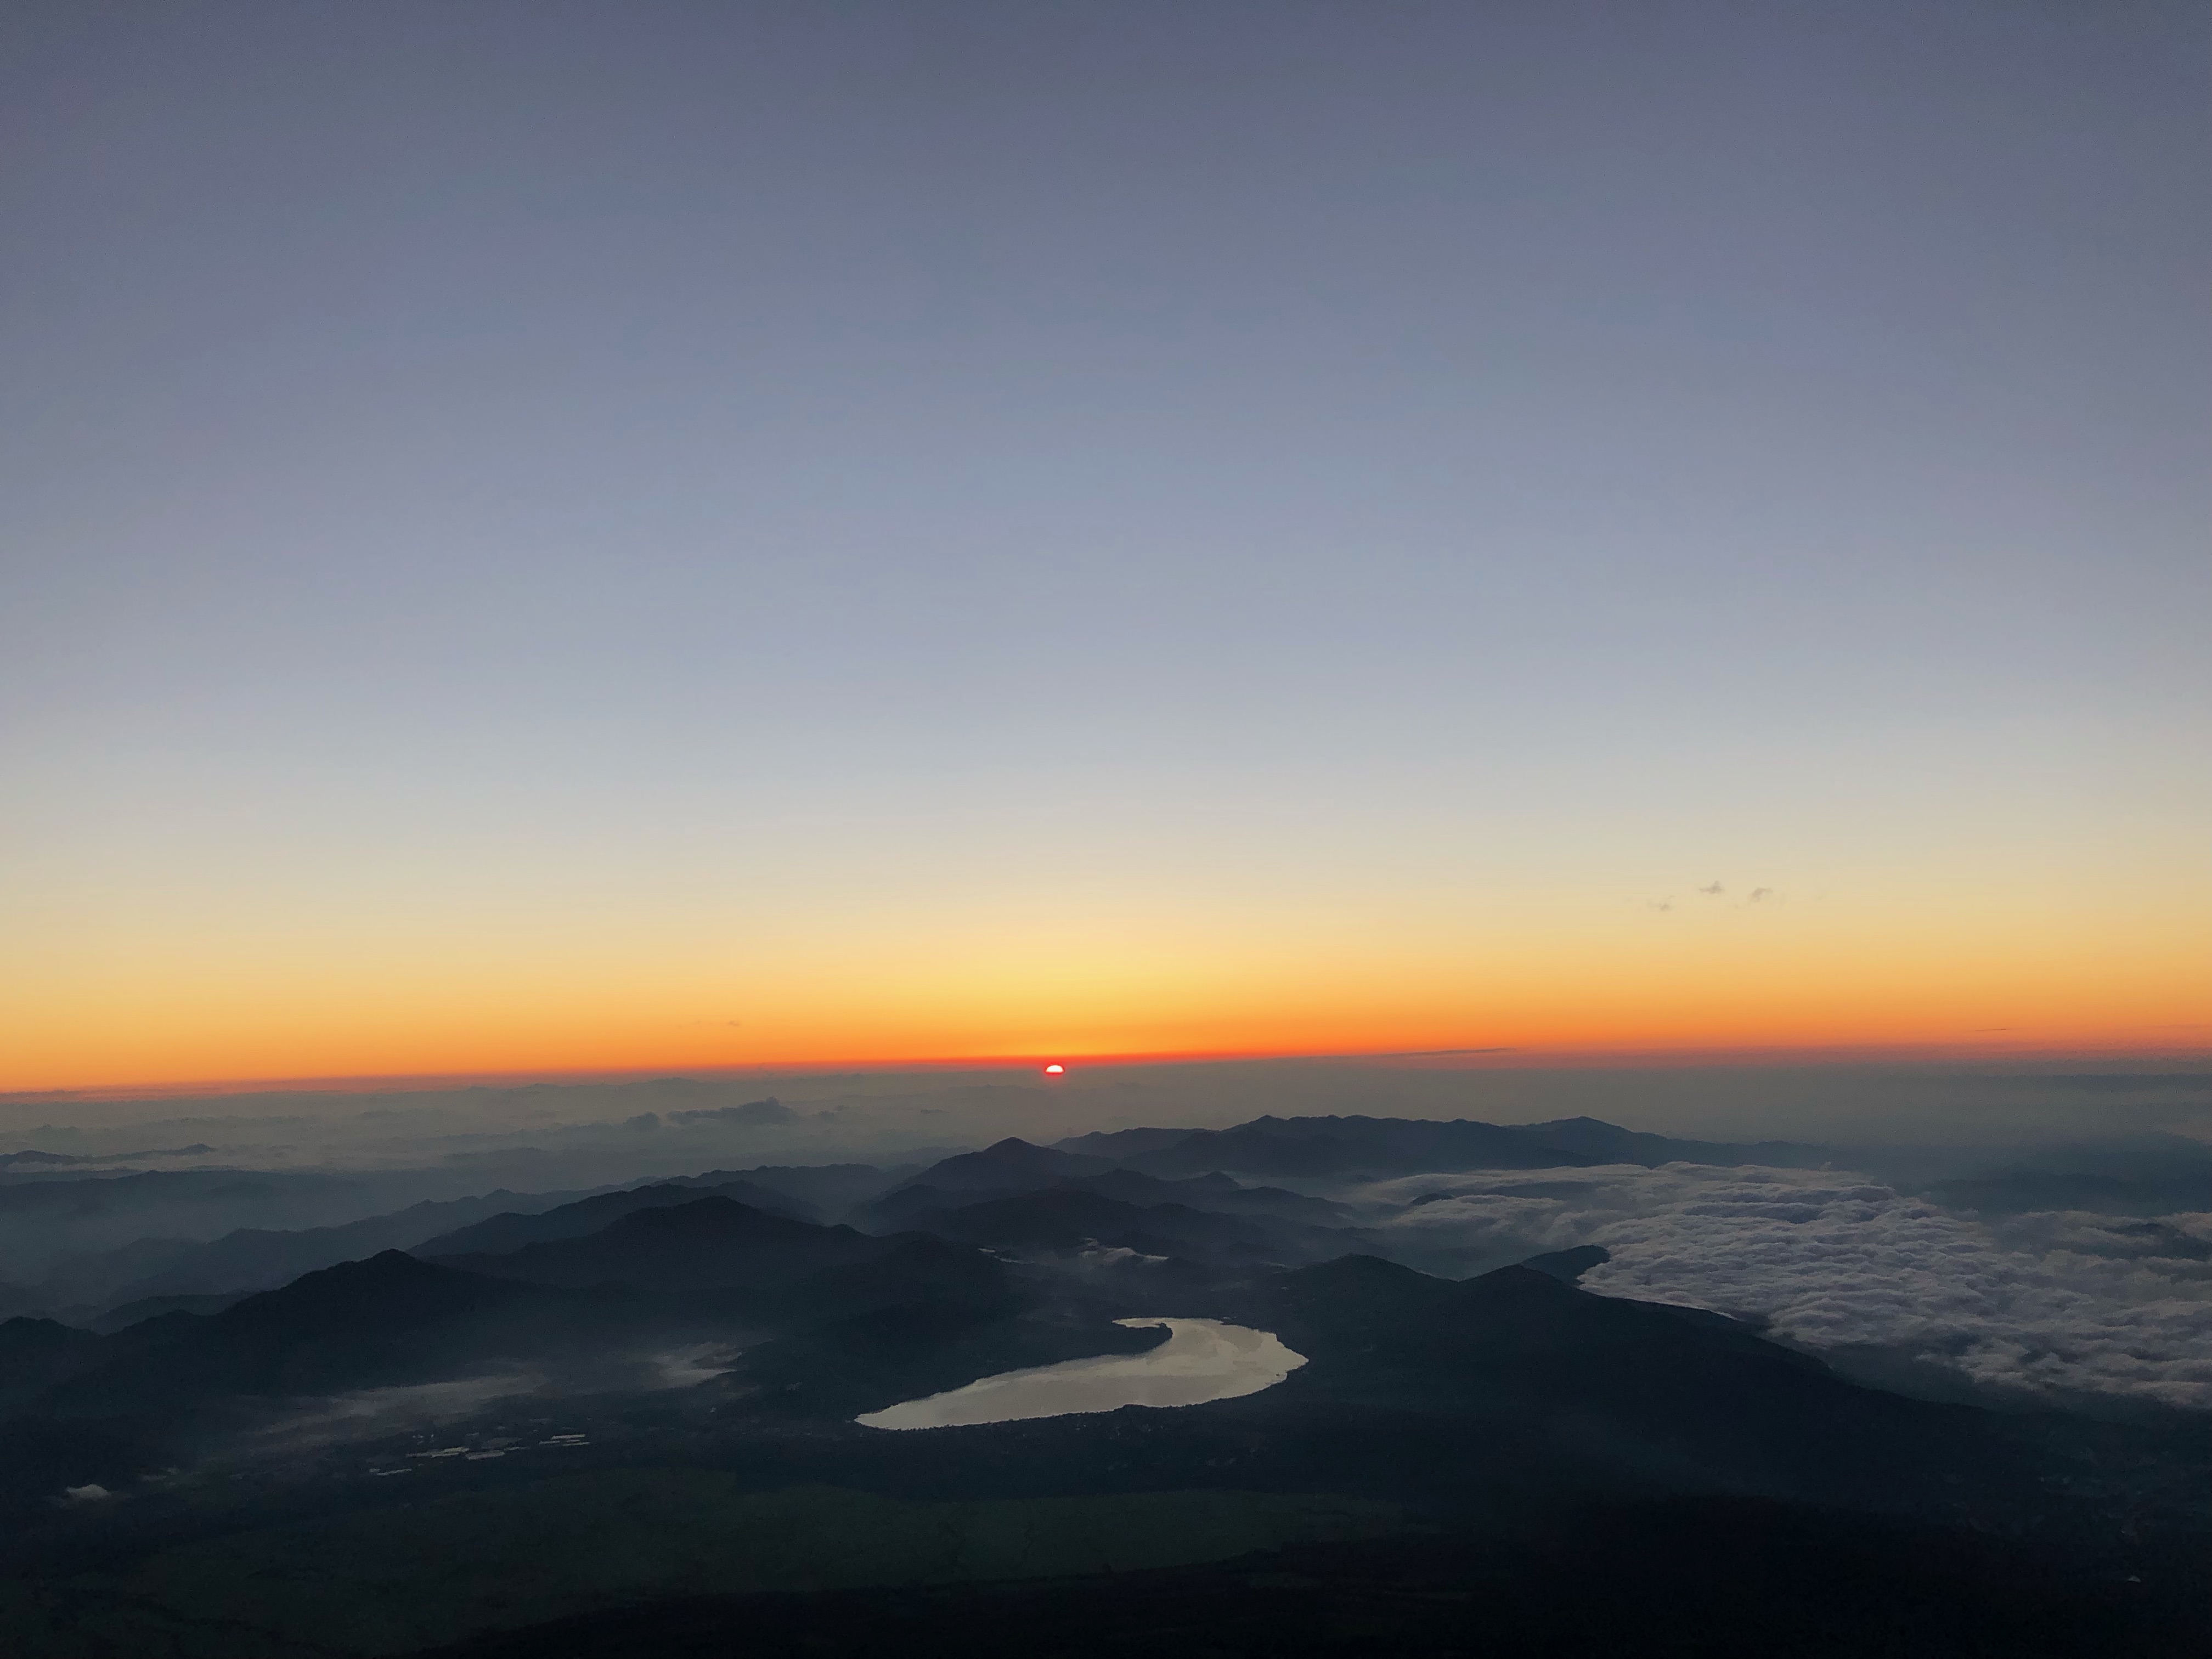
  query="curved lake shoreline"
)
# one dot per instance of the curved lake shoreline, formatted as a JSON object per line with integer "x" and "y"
{"x": 1203, "y": 1361}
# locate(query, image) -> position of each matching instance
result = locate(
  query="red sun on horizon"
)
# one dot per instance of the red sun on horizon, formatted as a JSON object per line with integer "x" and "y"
{"x": 1054, "y": 1070}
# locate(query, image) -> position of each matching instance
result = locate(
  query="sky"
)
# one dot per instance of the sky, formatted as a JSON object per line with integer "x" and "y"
{"x": 560, "y": 538}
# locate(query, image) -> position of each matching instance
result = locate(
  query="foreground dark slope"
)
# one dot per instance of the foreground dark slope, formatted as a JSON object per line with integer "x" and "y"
{"x": 1685, "y": 1579}
{"x": 1618, "y": 1394}
{"x": 1514, "y": 1389}
{"x": 1580, "y": 1475}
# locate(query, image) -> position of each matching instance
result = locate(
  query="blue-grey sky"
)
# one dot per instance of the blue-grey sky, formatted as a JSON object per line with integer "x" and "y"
{"x": 518, "y": 493}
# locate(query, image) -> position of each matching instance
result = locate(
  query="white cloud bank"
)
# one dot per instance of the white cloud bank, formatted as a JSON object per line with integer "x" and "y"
{"x": 2054, "y": 1302}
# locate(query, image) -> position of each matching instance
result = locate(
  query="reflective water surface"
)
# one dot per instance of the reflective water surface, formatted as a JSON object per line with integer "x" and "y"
{"x": 1202, "y": 1359}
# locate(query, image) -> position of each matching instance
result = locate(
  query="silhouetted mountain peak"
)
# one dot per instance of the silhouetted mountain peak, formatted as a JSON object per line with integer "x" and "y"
{"x": 706, "y": 1242}
{"x": 1352, "y": 1146}
{"x": 1074, "y": 1217}
{"x": 1517, "y": 1286}
{"x": 1594, "y": 1137}
{"x": 713, "y": 1220}
{"x": 1568, "y": 1265}
{"x": 1356, "y": 1146}
{"x": 1010, "y": 1162}
{"x": 390, "y": 1287}
{"x": 513, "y": 1230}
{"x": 1364, "y": 1280}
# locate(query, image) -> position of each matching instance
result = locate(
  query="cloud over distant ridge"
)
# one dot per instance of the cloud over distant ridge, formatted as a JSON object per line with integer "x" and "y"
{"x": 2059, "y": 1302}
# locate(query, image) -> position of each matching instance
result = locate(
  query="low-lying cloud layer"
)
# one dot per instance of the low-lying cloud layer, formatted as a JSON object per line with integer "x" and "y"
{"x": 372, "y": 1413}
{"x": 2058, "y": 1302}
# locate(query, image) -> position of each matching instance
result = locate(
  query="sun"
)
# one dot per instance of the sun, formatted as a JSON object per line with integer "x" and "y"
{"x": 1054, "y": 1070}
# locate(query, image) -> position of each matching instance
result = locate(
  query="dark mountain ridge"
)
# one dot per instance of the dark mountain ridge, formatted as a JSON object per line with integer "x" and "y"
{"x": 1469, "y": 1402}
{"x": 1074, "y": 1217}
{"x": 1371, "y": 1147}
{"x": 258, "y": 1258}
{"x": 699, "y": 1243}
{"x": 578, "y": 1218}
{"x": 387, "y": 1320}
{"x": 1011, "y": 1165}
{"x": 1361, "y": 1146}
{"x": 1624, "y": 1395}
{"x": 816, "y": 1190}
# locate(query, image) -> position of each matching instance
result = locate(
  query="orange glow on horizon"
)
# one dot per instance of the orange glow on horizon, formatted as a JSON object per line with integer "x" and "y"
{"x": 2192, "y": 1048}
{"x": 1545, "y": 981}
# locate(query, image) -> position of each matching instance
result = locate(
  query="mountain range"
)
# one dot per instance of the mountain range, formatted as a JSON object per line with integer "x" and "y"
{"x": 661, "y": 1361}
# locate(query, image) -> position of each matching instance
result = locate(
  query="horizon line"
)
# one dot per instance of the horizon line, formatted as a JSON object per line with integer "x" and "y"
{"x": 1525, "y": 1057}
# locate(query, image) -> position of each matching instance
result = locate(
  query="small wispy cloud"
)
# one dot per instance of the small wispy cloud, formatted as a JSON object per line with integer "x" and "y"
{"x": 1760, "y": 896}
{"x": 1713, "y": 891}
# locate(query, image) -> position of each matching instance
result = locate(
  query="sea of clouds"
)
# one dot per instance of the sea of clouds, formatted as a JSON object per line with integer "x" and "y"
{"x": 2059, "y": 1303}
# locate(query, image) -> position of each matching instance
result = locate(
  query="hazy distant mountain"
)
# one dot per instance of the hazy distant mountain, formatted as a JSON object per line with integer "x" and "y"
{"x": 58, "y": 1227}
{"x": 1216, "y": 1191}
{"x": 32, "y": 1157}
{"x": 1568, "y": 1266}
{"x": 1339, "y": 1147}
{"x": 2019, "y": 1193}
{"x": 1014, "y": 1167}
{"x": 511, "y": 1231}
{"x": 1071, "y": 1218}
{"x": 819, "y": 1191}
{"x": 1347, "y": 1147}
{"x": 2142, "y": 1174}
{"x": 45, "y": 1218}
{"x": 1611, "y": 1143}
{"x": 1010, "y": 1165}
{"x": 1067, "y": 1219}
{"x": 255, "y": 1258}
{"x": 1120, "y": 1144}
{"x": 895, "y": 1211}
{"x": 388, "y": 1320}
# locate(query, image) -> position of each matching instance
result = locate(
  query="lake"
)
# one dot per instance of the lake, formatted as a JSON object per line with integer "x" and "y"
{"x": 1202, "y": 1359}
